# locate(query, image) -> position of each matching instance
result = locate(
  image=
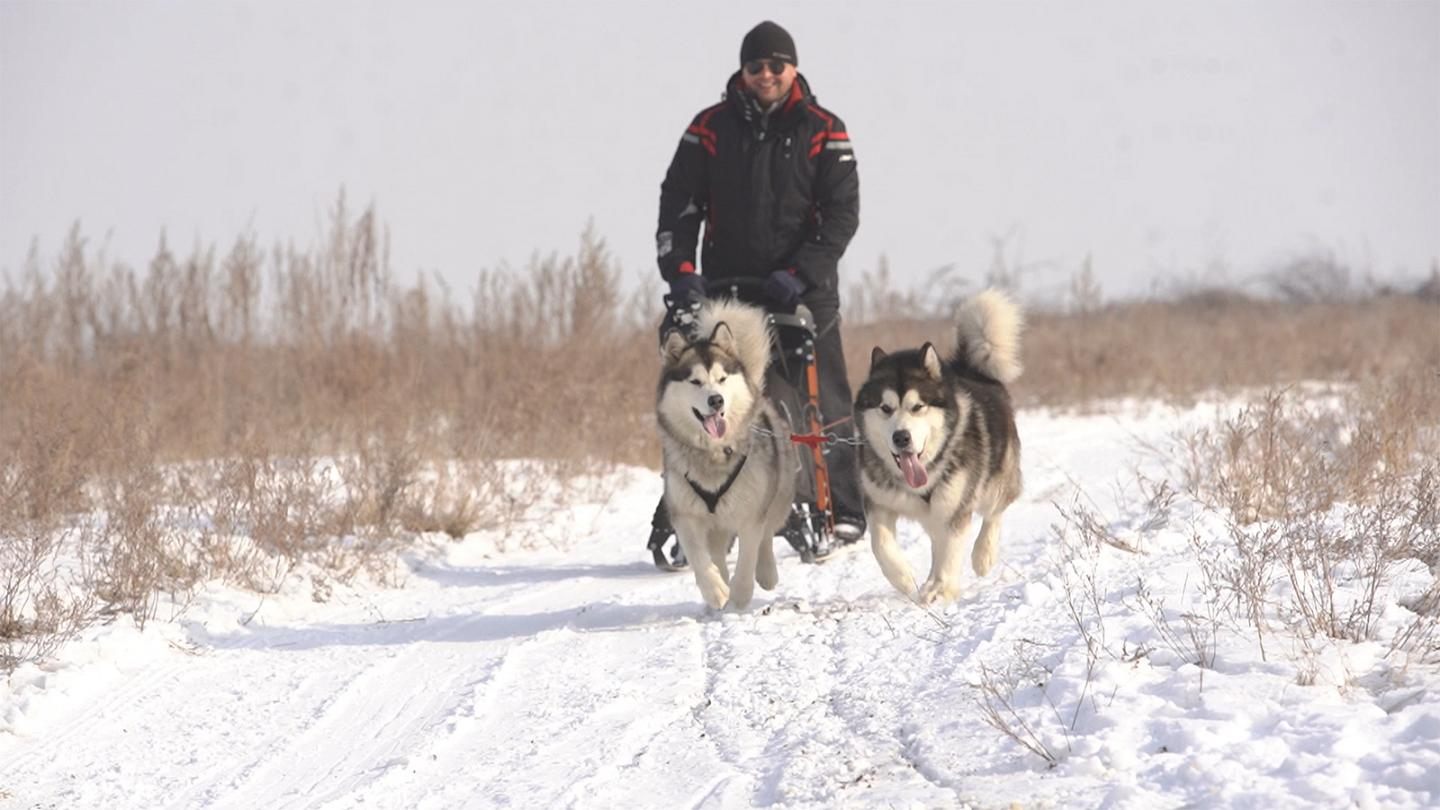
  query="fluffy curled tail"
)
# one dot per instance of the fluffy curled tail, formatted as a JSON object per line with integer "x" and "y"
{"x": 987, "y": 335}
{"x": 749, "y": 326}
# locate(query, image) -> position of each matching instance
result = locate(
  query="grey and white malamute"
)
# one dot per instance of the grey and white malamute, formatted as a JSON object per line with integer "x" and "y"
{"x": 729, "y": 467}
{"x": 940, "y": 445}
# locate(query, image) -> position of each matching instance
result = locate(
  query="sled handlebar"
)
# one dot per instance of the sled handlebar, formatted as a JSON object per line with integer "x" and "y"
{"x": 752, "y": 291}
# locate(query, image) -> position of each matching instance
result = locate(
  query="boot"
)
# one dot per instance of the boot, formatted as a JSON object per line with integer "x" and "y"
{"x": 675, "y": 559}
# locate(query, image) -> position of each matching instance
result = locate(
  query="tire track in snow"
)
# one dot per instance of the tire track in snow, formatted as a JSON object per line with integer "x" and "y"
{"x": 431, "y": 751}
{"x": 575, "y": 730}
{"x": 99, "y": 714}
{"x": 549, "y": 654}
{"x": 296, "y": 679}
{"x": 153, "y": 734}
{"x": 390, "y": 716}
{"x": 357, "y": 737}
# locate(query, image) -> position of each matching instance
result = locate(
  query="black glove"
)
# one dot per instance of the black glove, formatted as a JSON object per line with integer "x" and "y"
{"x": 784, "y": 287}
{"x": 687, "y": 287}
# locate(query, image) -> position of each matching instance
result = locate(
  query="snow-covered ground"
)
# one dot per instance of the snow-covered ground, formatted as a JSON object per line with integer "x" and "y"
{"x": 575, "y": 675}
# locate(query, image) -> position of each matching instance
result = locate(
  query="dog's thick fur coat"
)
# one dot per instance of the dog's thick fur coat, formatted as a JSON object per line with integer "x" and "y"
{"x": 729, "y": 467}
{"x": 940, "y": 445}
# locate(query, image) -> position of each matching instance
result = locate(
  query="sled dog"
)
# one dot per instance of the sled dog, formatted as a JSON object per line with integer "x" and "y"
{"x": 940, "y": 445}
{"x": 728, "y": 464}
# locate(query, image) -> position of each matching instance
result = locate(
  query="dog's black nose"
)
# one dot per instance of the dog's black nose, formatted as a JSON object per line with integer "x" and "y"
{"x": 901, "y": 439}
{"x": 717, "y": 402}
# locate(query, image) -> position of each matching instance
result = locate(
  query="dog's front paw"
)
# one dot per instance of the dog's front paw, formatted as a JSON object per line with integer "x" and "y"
{"x": 983, "y": 558}
{"x": 740, "y": 597}
{"x": 713, "y": 590}
{"x": 715, "y": 597}
{"x": 938, "y": 592}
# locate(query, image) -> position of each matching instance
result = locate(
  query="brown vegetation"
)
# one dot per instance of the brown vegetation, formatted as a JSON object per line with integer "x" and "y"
{"x": 1325, "y": 500}
{"x": 232, "y": 414}
{"x": 1179, "y": 350}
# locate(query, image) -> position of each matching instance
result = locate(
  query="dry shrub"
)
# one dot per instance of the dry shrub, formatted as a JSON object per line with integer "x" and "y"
{"x": 1324, "y": 505}
{"x": 1267, "y": 461}
{"x": 269, "y": 515}
{"x": 1083, "y": 535}
{"x": 1014, "y": 700}
{"x": 1421, "y": 637}
{"x": 375, "y": 482}
{"x": 40, "y": 605}
{"x": 137, "y": 546}
{"x": 449, "y": 506}
{"x": 49, "y": 438}
{"x": 131, "y": 552}
{"x": 1331, "y": 504}
{"x": 464, "y": 497}
{"x": 1190, "y": 635}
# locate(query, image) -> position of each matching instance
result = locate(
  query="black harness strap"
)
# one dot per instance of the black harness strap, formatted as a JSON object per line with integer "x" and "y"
{"x": 712, "y": 499}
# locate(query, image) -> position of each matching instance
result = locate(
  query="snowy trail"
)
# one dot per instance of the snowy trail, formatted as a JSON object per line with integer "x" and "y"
{"x": 583, "y": 678}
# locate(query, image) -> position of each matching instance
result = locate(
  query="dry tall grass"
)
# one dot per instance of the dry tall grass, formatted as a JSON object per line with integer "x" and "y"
{"x": 233, "y": 413}
{"x": 1181, "y": 349}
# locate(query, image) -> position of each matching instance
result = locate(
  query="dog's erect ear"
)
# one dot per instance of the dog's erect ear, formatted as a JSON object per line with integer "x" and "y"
{"x": 931, "y": 358}
{"x": 722, "y": 338}
{"x": 876, "y": 355}
{"x": 867, "y": 398}
{"x": 674, "y": 346}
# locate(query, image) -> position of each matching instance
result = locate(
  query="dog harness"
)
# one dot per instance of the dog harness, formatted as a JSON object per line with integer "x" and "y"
{"x": 712, "y": 499}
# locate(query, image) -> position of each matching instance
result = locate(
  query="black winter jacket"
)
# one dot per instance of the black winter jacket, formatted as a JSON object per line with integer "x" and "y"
{"x": 775, "y": 192}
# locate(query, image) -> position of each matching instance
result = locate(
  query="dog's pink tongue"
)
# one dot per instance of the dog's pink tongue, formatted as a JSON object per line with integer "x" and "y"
{"x": 912, "y": 468}
{"x": 715, "y": 425}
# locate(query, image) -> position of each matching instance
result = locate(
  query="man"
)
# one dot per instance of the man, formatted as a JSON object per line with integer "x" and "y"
{"x": 771, "y": 174}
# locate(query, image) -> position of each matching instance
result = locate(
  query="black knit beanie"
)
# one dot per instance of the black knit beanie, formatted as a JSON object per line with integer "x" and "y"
{"x": 768, "y": 41}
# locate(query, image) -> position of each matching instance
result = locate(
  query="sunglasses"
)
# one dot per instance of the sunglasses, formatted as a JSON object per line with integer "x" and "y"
{"x": 775, "y": 66}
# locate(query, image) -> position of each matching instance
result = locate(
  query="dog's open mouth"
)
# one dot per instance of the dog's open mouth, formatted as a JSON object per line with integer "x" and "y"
{"x": 714, "y": 424}
{"x": 912, "y": 469}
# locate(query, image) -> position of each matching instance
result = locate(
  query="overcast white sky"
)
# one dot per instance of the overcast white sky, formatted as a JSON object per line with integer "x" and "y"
{"x": 1165, "y": 140}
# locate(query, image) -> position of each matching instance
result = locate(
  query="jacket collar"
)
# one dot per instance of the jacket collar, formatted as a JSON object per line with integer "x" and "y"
{"x": 782, "y": 117}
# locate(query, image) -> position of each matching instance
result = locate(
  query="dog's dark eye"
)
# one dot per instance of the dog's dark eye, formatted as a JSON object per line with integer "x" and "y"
{"x": 721, "y": 380}
{"x": 917, "y": 407}
{"x": 886, "y": 409}
{"x": 695, "y": 383}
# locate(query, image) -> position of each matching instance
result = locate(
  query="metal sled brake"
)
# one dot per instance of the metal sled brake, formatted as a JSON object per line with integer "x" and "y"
{"x": 792, "y": 383}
